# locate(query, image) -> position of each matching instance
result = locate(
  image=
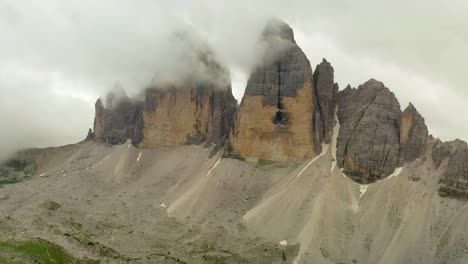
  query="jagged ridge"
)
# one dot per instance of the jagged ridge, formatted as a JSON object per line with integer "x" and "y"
{"x": 287, "y": 112}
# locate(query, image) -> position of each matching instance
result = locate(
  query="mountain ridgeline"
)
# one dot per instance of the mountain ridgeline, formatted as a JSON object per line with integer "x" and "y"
{"x": 289, "y": 113}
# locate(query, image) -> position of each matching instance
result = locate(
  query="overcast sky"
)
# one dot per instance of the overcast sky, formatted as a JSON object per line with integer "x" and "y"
{"x": 58, "y": 56}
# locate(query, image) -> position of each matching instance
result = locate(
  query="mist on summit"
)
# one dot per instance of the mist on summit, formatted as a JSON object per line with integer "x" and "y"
{"x": 59, "y": 57}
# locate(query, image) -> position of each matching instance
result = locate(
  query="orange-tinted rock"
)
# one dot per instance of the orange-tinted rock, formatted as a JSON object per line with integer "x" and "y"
{"x": 277, "y": 119}
{"x": 177, "y": 116}
{"x": 413, "y": 135}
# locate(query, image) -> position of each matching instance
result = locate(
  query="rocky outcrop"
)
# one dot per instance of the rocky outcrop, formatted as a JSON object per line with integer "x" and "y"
{"x": 196, "y": 108}
{"x": 375, "y": 136}
{"x": 443, "y": 150}
{"x": 191, "y": 115}
{"x": 369, "y": 143}
{"x": 120, "y": 120}
{"x": 192, "y": 108}
{"x": 278, "y": 119}
{"x": 454, "y": 179}
{"x": 327, "y": 97}
{"x": 413, "y": 135}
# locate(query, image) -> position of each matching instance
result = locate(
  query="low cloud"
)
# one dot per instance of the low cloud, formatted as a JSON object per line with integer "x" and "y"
{"x": 57, "y": 57}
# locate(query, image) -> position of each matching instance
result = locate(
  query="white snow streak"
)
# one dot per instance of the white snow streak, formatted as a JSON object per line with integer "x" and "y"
{"x": 139, "y": 157}
{"x": 363, "y": 190}
{"x": 395, "y": 173}
{"x": 214, "y": 166}
{"x": 324, "y": 150}
{"x": 334, "y": 143}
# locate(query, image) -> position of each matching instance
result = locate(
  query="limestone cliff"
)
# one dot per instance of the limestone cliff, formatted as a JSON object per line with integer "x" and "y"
{"x": 454, "y": 180}
{"x": 413, "y": 135}
{"x": 120, "y": 120}
{"x": 327, "y": 96}
{"x": 194, "y": 107}
{"x": 368, "y": 143}
{"x": 278, "y": 119}
{"x": 375, "y": 136}
{"x": 187, "y": 115}
{"x": 287, "y": 112}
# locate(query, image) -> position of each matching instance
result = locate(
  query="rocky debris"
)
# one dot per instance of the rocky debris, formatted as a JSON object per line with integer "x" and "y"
{"x": 454, "y": 180}
{"x": 369, "y": 142}
{"x": 327, "y": 97}
{"x": 277, "y": 119}
{"x": 118, "y": 121}
{"x": 413, "y": 135}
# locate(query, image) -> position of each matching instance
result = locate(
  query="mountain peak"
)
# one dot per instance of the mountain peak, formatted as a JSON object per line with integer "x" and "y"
{"x": 279, "y": 29}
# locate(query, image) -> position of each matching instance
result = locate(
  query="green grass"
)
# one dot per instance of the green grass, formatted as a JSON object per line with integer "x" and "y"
{"x": 100, "y": 249}
{"x": 12, "y": 181}
{"x": 37, "y": 251}
{"x": 26, "y": 166}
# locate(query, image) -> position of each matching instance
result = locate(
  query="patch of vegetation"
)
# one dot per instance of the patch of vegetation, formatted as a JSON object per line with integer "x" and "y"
{"x": 38, "y": 251}
{"x": 100, "y": 249}
{"x": 28, "y": 167}
{"x": 233, "y": 156}
{"x": 167, "y": 256}
{"x": 10, "y": 181}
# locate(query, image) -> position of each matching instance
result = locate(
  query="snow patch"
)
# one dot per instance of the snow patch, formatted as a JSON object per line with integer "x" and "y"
{"x": 324, "y": 150}
{"x": 363, "y": 190}
{"x": 395, "y": 173}
{"x": 43, "y": 174}
{"x": 214, "y": 166}
{"x": 139, "y": 157}
{"x": 334, "y": 143}
{"x": 163, "y": 205}
{"x": 283, "y": 243}
{"x": 342, "y": 173}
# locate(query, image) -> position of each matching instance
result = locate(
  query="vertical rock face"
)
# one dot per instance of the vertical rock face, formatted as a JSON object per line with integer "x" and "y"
{"x": 193, "y": 106}
{"x": 375, "y": 136}
{"x": 368, "y": 143}
{"x": 196, "y": 108}
{"x": 277, "y": 119}
{"x": 327, "y": 96}
{"x": 454, "y": 180}
{"x": 413, "y": 135}
{"x": 177, "y": 116}
{"x": 119, "y": 121}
